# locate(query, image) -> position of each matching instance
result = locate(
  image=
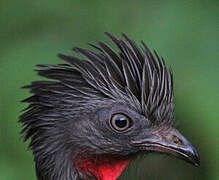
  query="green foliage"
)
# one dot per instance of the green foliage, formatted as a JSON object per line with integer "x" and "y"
{"x": 184, "y": 32}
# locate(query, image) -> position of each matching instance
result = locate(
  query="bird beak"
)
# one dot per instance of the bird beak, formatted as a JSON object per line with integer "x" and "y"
{"x": 170, "y": 141}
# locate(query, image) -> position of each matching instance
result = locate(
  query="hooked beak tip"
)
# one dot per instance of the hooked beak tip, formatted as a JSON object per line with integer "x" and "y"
{"x": 193, "y": 156}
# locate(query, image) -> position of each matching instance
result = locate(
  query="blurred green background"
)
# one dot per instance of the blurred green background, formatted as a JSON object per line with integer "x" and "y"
{"x": 185, "y": 33}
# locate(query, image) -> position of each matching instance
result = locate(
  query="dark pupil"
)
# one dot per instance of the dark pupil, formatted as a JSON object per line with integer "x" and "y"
{"x": 121, "y": 121}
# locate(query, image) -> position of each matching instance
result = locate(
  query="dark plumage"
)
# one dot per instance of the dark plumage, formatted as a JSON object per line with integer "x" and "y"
{"x": 97, "y": 113}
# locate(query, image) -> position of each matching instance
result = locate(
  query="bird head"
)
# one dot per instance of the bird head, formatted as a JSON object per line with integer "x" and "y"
{"x": 95, "y": 115}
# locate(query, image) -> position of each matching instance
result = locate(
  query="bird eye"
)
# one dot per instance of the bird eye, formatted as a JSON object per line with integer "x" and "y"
{"x": 120, "y": 122}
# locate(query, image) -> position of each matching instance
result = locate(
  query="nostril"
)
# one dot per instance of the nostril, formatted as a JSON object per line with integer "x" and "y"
{"x": 176, "y": 140}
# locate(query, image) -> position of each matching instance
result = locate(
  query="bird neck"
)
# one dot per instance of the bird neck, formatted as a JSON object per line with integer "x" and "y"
{"x": 103, "y": 167}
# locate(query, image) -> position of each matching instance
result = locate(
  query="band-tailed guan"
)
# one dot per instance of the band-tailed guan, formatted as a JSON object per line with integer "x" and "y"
{"x": 95, "y": 115}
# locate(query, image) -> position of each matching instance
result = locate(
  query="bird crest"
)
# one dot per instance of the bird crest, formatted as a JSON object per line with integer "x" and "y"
{"x": 134, "y": 76}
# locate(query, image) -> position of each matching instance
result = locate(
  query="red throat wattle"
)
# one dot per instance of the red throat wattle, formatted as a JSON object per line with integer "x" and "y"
{"x": 103, "y": 167}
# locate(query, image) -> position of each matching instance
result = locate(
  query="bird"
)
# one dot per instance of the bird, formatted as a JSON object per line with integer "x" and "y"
{"x": 94, "y": 114}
